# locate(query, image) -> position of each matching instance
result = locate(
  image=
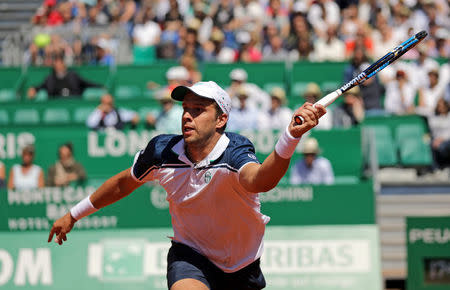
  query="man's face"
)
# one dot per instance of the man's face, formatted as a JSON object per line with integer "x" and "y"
{"x": 199, "y": 120}
{"x": 309, "y": 159}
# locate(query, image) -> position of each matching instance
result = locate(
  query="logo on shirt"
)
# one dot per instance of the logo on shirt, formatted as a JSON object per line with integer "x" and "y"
{"x": 208, "y": 176}
{"x": 252, "y": 156}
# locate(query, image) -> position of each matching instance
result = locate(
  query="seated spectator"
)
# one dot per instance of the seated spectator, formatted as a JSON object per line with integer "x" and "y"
{"x": 66, "y": 170}
{"x": 312, "y": 169}
{"x": 257, "y": 98}
{"x": 215, "y": 49}
{"x": 26, "y": 175}
{"x": 146, "y": 32}
{"x": 106, "y": 115}
{"x": 62, "y": 83}
{"x": 329, "y": 48}
{"x": 312, "y": 94}
{"x": 168, "y": 120}
{"x": 248, "y": 47}
{"x": 429, "y": 95}
{"x": 48, "y": 14}
{"x": 190, "y": 64}
{"x": 278, "y": 115}
{"x": 351, "y": 111}
{"x": 177, "y": 76}
{"x": 323, "y": 13}
{"x": 2, "y": 175}
{"x": 243, "y": 117}
{"x": 400, "y": 95}
{"x": 275, "y": 50}
{"x": 303, "y": 51}
{"x": 103, "y": 54}
{"x": 439, "y": 127}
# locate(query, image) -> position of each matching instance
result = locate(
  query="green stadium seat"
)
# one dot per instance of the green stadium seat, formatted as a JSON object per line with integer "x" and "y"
{"x": 7, "y": 95}
{"x": 56, "y": 116}
{"x": 93, "y": 93}
{"x": 298, "y": 89}
{"x": 269, "y": 86}
{"x": 26, "y": 117}
{"x": 41, "y": 96}
{"x": 145, "y": 110}
{"x": 128, "y": 92}
{"x": 81, "y": 114}
{"x": 414, "y": 151}
{"x": 385, "y": 145}
{"x": 144, "y": 54}
{"x": 4, "y": 118}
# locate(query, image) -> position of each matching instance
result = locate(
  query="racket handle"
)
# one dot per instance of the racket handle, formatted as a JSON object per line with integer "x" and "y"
{"x": 325, "y": 101}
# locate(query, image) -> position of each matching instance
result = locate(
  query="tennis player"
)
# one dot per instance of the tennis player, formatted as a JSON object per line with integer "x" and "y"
{"x": 212, "y": 180}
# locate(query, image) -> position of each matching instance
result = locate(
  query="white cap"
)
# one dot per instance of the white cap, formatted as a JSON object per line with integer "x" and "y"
{"x": 209, "y": 90}
{"x": 177, "y": 73}
{"x": 238, "y": 74}
{"x": 311, "y": 146}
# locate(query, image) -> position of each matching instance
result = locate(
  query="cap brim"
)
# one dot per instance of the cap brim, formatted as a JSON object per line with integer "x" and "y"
{"x": 179, "y": 92}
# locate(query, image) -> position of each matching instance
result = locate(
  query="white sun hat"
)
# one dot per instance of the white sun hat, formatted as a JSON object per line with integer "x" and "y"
{"x": 209, "y": 90}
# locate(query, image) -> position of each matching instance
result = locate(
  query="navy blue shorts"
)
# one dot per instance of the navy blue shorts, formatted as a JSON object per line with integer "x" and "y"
{"x": 184, "y": 262}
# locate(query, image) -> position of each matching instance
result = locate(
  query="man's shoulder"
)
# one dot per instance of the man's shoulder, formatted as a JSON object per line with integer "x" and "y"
{"x": 163, "y": 141}
{"x": 237, "y": 139}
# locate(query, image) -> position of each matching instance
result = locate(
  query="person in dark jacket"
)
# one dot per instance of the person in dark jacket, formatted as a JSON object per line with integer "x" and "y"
{"x": 62, "y": 83}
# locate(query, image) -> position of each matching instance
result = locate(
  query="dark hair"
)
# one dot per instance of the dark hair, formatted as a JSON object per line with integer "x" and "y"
{"x": 68, "y": 145}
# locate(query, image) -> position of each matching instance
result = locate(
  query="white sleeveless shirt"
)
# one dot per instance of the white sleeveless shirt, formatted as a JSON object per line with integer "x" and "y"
{"x": 26, "y": 181}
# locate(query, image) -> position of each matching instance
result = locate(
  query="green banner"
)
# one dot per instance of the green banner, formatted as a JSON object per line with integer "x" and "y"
{"x": 29, "y": 210}
{"x": 310, "y": 258}
{"x": 428, "y": 253}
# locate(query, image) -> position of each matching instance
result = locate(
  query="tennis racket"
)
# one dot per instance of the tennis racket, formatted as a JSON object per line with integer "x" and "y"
{"x": 369, "y": 72}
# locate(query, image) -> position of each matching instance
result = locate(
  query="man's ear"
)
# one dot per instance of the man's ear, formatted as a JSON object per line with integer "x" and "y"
{"x": 221, "y": 121}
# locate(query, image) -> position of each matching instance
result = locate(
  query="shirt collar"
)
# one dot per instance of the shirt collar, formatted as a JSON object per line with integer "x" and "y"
{"x": 217, "y": 151}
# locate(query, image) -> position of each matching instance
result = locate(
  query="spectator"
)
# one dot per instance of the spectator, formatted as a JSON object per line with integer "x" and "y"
{"x": 361, "y": 39}
{"x": 177, "y": 76}
{"x": 189, "y": 45}
{"x": 329, "y": 48}
{"x": 103, "y": 54}
{"x": 243, "y": 117}
{"x": 400, "y": 95}
{"x": 48, "y": 14}
{"x": 215, "y": 49}
{"x": 223, "y": 15}
{"x": 371, "y": 89}
{"x": 26, "y": 175}
{"x": 62, "y": 82}
{"x": 248, "y": 51}
{"x": 2, "y": 175}
{"x": 66, "y": 170}
{"x": 190, "y": 64}
{"x": 304, "y": 50}
{"x": 168, "y": 119}
{"x": 350, "y": 22}
{"x": 419, "y": 68}
{"x": 275, "y": 50}
{"x": 312, "y": 94}
{"x": 323, "y": 13}
{"x": 257, "y": 98}
{"x": 299, "y": 28}
{"x": 429, "y": 96}
{"x": 146, "y": 32}
{"x": 106, "y": 115}
{"x": 278, "y": 115}
{"x": 249, "y": 15}
{"x": 351, "y": 111}
{"x": 312, "y": 169}
{"x": 277, "y": 14}
{"x": 439, "y": 126}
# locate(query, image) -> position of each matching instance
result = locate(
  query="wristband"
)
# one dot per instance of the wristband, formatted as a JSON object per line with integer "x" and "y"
{"x": 82, "y": 209}
{"x": 286, "y": 145}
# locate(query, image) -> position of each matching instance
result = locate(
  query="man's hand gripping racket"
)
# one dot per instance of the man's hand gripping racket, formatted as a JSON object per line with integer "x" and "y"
{"x": 380, "y": 64}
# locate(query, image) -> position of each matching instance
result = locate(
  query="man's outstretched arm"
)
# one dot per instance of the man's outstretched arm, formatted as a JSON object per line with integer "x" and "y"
{"x": 114, "y": 189}
{"x": 263, "y": 177}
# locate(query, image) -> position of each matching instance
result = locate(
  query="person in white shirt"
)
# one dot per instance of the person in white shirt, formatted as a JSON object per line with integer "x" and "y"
{"x": 429, "y": 96}
{"x": 213, "y": 180}
{"x": 312, "y": 169}
{"x": 400, "y": 95}
{"x": 243, "y": 117}
{"x": 26, "y": 175}
{"x": 257, "y": 98}
{"x": 330, "y": 47}
{"x": 146, "y": 32}
{"x": 278, "y": 115}
{"x": 106, "y": 115}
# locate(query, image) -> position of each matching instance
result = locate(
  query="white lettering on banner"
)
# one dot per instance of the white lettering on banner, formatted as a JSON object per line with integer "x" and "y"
{"x": 316, "y": 256}
{"x": 34, "y": 268}
{"x": 67, "y": 195}
{"x": 97, "y": 222}
{"x": 279, "y": 194}
{"x": 264, "y": 140}
{"x": 430, "y": 235}
{"x": 6, "y": 267}
{"x": 118, "y": 143}
{"x": 11, "y": 144}
{"x": 28, "y": 223}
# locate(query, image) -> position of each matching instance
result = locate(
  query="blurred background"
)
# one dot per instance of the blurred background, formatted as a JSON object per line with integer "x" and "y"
{"x": 85, "y": 84}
